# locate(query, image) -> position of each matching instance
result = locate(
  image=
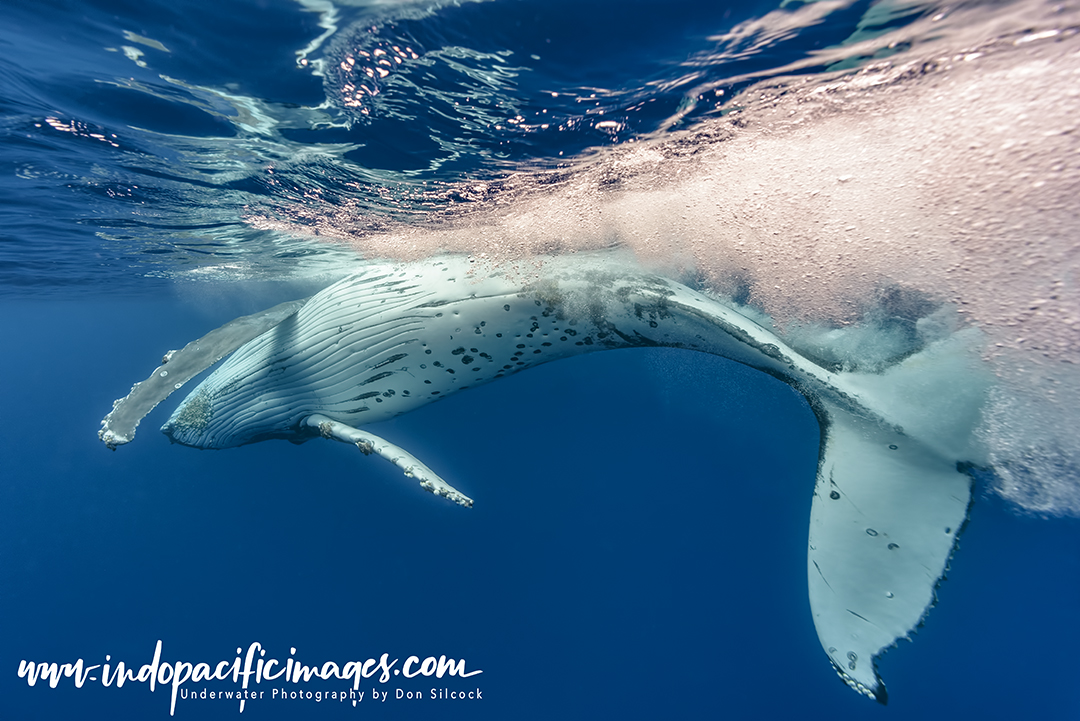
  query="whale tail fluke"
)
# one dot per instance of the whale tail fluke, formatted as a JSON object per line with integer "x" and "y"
{"x": 889, "y": 503}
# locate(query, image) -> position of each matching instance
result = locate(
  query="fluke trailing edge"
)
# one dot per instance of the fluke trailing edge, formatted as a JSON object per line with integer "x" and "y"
{"x": 891, "y": 491}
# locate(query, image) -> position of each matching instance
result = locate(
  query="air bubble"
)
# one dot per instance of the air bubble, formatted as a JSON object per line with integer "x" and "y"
{"x": 888, "y": 594}
{"x": 893, "y": 447}
{"x": 893, "y": 546}
{"x": 871, "y": 532}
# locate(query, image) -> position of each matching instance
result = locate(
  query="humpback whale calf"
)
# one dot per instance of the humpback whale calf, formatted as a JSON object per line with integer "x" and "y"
{"x": 892, "y": 490}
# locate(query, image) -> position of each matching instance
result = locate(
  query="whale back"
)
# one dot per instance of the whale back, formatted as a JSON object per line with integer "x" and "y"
{"x": 391, "y": 338}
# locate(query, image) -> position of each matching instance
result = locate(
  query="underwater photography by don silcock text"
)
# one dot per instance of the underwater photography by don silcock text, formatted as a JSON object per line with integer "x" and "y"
{"x": 827, "y": 466}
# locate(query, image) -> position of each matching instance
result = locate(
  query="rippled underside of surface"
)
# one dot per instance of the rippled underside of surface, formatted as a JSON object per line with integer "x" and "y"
{"x": 844, "y": 167}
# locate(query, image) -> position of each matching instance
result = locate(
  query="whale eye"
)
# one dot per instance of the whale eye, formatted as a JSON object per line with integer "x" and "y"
{"x": 834, "y": 495}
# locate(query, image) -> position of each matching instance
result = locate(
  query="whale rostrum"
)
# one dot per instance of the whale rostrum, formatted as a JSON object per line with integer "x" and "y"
{"x": 892, "y": 489}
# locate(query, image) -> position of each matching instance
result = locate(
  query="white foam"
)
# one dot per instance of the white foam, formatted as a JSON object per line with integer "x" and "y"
{"x": 950, "y": 174}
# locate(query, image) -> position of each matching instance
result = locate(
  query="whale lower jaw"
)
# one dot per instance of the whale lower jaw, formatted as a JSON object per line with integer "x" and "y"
{"x": 179, "y": 366}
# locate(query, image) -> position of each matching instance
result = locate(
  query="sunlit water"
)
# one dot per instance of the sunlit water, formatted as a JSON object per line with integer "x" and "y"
{"x": 849, "y": 169}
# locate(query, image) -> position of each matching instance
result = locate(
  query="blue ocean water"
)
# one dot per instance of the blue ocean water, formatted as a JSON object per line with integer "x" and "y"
{"x": 638, "y": 545}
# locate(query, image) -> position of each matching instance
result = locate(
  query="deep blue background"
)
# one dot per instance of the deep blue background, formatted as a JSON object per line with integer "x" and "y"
{"x": 637, "y": 548}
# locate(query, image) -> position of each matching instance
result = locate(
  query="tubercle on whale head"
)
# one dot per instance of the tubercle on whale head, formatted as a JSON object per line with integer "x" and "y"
{"x": 189, "y": 423}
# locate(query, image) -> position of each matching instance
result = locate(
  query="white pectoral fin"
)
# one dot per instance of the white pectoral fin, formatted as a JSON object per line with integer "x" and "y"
{"x": 369, "y": 443}
{"x": 884, "y": 521}
{"x": 180, "y": 366}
